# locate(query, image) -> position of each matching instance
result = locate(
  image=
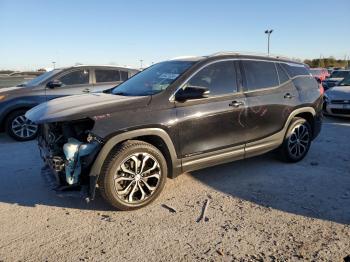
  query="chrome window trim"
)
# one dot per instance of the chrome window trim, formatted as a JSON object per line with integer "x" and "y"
{"x": 172, "y": 97}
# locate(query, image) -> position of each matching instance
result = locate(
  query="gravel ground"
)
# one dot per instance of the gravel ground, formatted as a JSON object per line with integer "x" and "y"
{"x": 259, "y": 210}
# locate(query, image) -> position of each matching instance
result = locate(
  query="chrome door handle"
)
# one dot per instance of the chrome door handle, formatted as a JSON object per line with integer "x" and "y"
{"x": 288, "y": 95}
{"x": 86, "y": 90}
{"x": 236, "y": 103}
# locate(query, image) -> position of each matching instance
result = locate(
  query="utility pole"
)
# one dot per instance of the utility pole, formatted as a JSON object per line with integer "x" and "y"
{"x": 141, "y": 63}
{"x": 268, "y": 32}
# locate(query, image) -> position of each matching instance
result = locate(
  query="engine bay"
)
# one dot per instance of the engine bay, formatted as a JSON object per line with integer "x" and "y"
{"x": 69, "y": 149}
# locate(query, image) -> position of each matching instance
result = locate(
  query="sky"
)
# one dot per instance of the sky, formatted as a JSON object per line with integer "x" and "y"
{"x": 33, "y": 33}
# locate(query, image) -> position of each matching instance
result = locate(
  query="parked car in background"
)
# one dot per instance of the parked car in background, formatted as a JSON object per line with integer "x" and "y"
{"x": 335, "y": 78}
{"x": 17, "y": 78}
{"x": 337, "y": 99}
{"x": 319, "y": 73}
{"x": 15, "y": 101}
{"x": 177, "y": 116}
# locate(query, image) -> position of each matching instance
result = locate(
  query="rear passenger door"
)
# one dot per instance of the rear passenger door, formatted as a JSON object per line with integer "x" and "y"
{"x": 270, "y": 96}
{"x": 106, "y": 78}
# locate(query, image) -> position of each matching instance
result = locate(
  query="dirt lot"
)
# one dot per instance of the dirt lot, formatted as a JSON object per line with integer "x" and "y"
{"x": 260, "y": 210}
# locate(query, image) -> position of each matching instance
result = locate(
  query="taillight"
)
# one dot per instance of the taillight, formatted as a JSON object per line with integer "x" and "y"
{"x": 320, "y": 86}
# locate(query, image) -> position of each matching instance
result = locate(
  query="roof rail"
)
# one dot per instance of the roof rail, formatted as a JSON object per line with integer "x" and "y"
{"x": 94, "y": 65}
{"x": 253, "y": 53}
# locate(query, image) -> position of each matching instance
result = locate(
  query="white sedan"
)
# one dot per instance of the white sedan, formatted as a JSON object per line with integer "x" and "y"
{"x": 337, "y": 99}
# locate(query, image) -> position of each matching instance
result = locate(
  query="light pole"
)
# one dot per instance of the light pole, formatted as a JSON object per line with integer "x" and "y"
{"x": 141, "y": 61}
{"x": 54, "y": 64}
{"x": 268, "y": 32}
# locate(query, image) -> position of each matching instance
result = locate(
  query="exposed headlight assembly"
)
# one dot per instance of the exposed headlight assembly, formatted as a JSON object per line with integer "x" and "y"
{"x": 2, "y": 97}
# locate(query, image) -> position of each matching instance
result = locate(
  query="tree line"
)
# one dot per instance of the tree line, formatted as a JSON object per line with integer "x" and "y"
{"x": 327, "y": 62}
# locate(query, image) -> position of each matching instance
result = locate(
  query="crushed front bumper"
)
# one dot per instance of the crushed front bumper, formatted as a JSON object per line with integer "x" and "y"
{"x": 53, "y": 182}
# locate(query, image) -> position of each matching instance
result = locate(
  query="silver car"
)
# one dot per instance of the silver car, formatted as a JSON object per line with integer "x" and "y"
{"x": 337, "y": 99}
{"x": 76, "y": 80}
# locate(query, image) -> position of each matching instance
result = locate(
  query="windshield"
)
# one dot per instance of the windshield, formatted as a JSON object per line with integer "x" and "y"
{"x": 42, "y": 78}
{"x": 339, "y": 74}
{"x": 346, "y": 81}
{"x": 153, "y": 80}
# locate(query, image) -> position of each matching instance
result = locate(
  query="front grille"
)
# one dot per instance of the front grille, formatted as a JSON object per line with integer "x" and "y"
{"x": 340, "y": 111}
{"x": 342, "y": 102}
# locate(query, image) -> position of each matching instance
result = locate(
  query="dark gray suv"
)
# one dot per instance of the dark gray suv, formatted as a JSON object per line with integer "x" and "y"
{"x": 15, "y": 101}
{"x": 177, "y": 116}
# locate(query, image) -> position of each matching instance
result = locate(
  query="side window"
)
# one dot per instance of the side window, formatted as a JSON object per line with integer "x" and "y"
{"x": 219, "y": 78}
{"x": 282, "y": 74}
{"x": 295, "y": 69}
{"x": 78, "y": 77}
{"x": 124, "y": 75}
{"x": 107, "y": 75}
{"x": 260, "y": 74}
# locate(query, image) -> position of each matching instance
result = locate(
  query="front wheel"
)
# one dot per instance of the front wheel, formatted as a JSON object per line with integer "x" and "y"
{"x": 19, "y": 127}
{"x": 297, "y": 141}
{"x": 133, "y": 175}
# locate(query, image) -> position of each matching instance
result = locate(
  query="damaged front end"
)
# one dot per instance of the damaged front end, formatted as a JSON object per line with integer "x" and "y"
{"x": 69, "y": 150}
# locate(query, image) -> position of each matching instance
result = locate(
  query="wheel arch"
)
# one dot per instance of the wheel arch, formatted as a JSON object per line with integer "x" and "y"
{"x": 154, "y": 136}
{"x": 309, "y": 117}
{"x": 10, "y": 110}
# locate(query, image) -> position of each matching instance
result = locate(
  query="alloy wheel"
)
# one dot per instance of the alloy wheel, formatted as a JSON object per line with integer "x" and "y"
{"x": 23, "y": 127}
{"x": 137, "y": 178}
{"x": 299, "y": 141}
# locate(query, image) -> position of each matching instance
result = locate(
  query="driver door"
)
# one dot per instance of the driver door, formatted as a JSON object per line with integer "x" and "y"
{"x": 218, "y": 121}
{"x": 74, "y": 82}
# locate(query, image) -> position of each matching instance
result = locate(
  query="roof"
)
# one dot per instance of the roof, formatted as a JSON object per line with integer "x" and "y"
{"x": 188, "y": 58}
{"x": 238, "y": 54}
{"x": 103, "y": 66}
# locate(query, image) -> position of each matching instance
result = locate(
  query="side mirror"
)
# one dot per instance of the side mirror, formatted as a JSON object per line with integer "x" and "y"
{"x": 54, "y": 83}
{"x": 191, "y": 92}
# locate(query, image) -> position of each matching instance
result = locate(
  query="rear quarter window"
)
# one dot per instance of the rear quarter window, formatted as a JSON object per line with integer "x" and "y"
{"x": 295, "y": 69}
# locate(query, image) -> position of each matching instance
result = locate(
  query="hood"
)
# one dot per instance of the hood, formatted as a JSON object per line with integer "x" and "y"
{"x": 339, "y": 93}
{"x": 84, "y": 106}
{"x": 13, "y": 89}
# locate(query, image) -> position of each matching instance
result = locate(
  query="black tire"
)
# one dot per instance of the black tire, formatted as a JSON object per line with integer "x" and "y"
{"x": 113, "y": 165}
{"x": 27, "y": 134}
{"x": 292, "y": 143}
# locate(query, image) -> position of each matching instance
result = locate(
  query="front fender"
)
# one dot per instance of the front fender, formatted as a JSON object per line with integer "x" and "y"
{"x": 112, "y": 142}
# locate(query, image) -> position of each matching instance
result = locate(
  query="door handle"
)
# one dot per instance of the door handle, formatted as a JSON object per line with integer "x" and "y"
{"x": 288, "y": 95}
{"x": 236, "y": 103}
{"x": 86, "y": 90}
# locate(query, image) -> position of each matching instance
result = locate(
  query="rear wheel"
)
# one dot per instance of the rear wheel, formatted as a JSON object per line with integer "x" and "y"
{"x": 133, "y": 175}
{"x": 297, "y": 141}
{"x": 19, "y": 127}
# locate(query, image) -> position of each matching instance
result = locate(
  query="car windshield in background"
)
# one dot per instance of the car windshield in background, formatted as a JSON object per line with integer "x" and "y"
{"x": 339, "y": 74}
{"x": 153, "y": 80}
{"x": 346, "y": 81}
{"x": 315, "y": 72}
{"x": 42, "y": 78}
